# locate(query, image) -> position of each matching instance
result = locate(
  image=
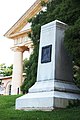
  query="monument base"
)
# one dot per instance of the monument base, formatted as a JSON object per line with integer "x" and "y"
{"x": 47, "y": 95}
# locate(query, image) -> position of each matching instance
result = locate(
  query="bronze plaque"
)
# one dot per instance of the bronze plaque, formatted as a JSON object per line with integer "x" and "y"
{"x": 46, "y": 54}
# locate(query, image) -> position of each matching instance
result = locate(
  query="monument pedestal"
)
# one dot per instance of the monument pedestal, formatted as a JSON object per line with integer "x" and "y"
{"x": 54, "y": 86}
{"x": 48, "y": 95}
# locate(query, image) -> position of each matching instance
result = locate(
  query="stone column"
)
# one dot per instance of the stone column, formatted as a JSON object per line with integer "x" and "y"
{"x": 17, "y": 72}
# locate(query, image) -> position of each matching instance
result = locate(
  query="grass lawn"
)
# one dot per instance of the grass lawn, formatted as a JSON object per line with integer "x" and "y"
{"x": 8, "y": 112}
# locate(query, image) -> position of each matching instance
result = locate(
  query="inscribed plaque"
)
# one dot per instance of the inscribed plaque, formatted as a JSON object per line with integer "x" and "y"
{"x": 46, "y": 54}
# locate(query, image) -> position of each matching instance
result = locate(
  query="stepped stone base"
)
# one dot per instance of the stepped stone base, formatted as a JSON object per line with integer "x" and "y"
{"x": 52, "y": 95}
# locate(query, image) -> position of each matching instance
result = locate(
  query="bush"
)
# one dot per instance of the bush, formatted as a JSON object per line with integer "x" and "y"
{"x": 74, "y": 103}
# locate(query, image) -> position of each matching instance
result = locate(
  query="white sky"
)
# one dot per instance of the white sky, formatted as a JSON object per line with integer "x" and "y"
{"x": 10, "y": 12}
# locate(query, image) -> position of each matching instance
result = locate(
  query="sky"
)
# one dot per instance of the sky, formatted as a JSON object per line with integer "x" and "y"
{"x": 10, "y": 12}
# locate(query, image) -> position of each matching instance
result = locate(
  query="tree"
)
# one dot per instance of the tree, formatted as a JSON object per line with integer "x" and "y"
{"x": 72, "y": 44}
{"x": 6, "y": 71}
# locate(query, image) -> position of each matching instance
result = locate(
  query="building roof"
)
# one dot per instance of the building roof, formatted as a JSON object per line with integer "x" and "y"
{"x": 19, "y": 25}
{"x": 5, "y": 78}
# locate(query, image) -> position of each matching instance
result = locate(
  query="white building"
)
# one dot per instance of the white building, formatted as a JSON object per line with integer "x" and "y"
{"x": 5, "y": 85}
{"x": 19, "y": 33}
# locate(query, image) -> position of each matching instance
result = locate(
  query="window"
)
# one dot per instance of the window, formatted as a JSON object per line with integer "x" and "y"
{"x": 0, "y": 82}
{"x": 9, "y": 89}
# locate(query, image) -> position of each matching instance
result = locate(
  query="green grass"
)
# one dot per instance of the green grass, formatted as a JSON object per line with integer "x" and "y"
{"x": 8, "y": 112}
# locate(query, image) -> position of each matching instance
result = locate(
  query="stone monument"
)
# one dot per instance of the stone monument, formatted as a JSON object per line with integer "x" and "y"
{"x": 54, "y": 86}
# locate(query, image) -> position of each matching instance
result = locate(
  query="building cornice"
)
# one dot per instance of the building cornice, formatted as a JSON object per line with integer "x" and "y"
{"x": 23, "y": 47}
{"x": 31, "y": 12}
{"x": 21, "y": 33}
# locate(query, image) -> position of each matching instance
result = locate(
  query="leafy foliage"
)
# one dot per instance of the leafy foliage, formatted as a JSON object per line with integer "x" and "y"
{"x": 31, "y": 72}
{"x": 72, "y": 41}
{"x": 6, "y": 71}
{"x": 72, "y": 44}
{"x": 74, "y": 103}
{"x": 67, "y": 11}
